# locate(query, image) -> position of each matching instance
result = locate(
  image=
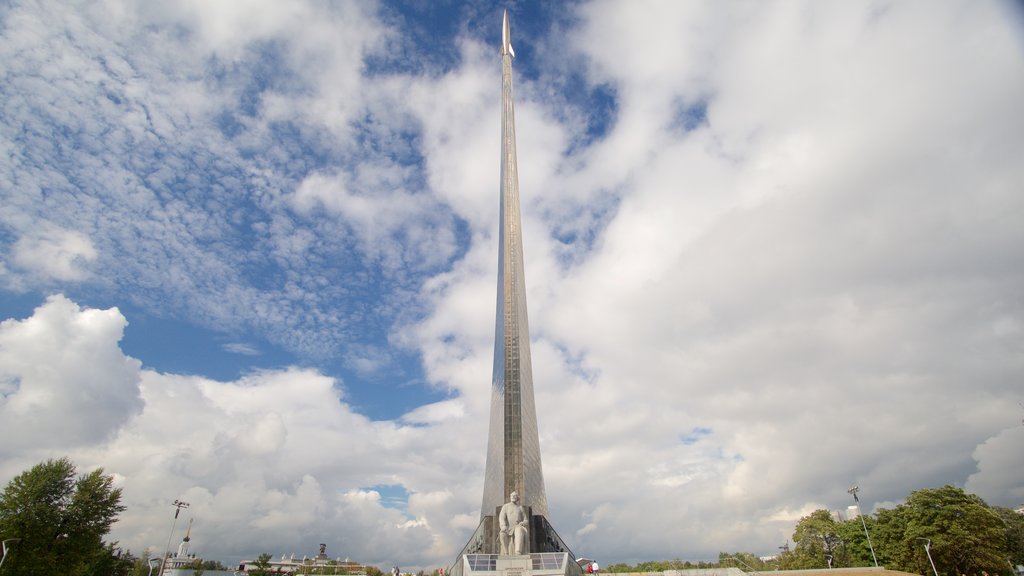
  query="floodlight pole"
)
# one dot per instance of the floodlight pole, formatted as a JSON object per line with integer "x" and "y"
{"x": 178, "y": 505}
{"x": 4, "y": 545}
{"x": 928, "y": 551}
{"x": 860, "y": 513}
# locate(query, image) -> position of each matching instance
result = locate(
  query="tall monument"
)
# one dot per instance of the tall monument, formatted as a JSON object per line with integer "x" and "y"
{"x": 514, "y": 535}
{"x": 513, "y": 447}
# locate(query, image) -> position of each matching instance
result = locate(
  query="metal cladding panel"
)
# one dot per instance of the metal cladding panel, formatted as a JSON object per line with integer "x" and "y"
{"x": 513, "y": 448}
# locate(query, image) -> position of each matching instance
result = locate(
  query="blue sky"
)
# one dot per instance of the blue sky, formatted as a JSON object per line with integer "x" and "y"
{"x": 248, "y": 260}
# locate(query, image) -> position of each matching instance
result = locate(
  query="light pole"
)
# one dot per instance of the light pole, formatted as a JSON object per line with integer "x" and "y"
{"x": 151, "y": 560}
{"x": 856, "y": 500}
{"x": 178, "y": 505}
{"x": 928, "y": 551}
{"x": 4, "y": 545}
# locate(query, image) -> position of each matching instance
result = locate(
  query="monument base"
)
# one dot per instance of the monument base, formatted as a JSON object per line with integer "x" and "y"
{"x": 549, "y": 555}
{"x": 514, "y": 566}
{"x": 536, "y": 564}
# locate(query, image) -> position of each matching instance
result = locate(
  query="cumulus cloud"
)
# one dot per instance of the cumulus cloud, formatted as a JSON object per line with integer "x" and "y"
{"x": 799, "y": 260}
{"x": 771, "y": 251}
{"x": 64, "y": 381}
{"x": 996, "y": 478}
{"x": 274, "y": 461}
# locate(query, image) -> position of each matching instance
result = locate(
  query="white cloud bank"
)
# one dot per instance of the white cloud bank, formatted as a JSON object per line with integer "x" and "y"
{"x": 815, "y": 283}
{"x": 273, "y": 462}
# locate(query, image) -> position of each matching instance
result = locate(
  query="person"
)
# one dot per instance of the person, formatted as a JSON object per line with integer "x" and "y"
{"x": 513, "y": 528}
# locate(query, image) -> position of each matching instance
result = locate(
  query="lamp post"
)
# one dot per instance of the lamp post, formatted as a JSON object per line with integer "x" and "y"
{"x": 856, "y": 500}
{"x": 178, "y": 505}
{"x": 928, "y": 551}
{"x": 4, "y": 545}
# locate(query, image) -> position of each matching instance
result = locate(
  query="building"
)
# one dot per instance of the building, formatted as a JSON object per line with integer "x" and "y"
{"x": 319, "y": 564}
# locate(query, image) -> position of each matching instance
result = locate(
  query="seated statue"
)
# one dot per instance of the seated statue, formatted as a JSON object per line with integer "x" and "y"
{"x": 513, "y": 527}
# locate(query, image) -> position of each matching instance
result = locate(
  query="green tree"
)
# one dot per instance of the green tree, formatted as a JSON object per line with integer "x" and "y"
{"x": 214, "y": 565}
{"x": 1014, "y": 523}
{"x": 262, "y": 565}
{"x": 856, "y": 551}
{"x": 140, "y": 566}
{"x": 967, "y": 537}
{"x": 889, "y": 527}
{"x": 815, "y": 540}
{"x": 60, "y": 520}
{"x": 745, "y": 561}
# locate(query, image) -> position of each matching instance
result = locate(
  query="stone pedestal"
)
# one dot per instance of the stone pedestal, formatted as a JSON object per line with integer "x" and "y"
{"x": 514, "y": 565}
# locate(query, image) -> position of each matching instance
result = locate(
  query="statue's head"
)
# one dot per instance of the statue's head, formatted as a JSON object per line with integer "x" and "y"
{"x": 514, "y": 497}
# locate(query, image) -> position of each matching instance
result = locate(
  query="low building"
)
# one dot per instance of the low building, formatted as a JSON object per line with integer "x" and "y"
{"x": 319, "y": 564}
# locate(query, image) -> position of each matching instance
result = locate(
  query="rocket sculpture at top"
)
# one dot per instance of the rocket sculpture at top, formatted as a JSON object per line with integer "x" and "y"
{"x": 513, "y": 448}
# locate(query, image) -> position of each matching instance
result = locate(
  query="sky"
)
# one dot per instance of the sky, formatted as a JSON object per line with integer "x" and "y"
{"x": 248, "y": 260}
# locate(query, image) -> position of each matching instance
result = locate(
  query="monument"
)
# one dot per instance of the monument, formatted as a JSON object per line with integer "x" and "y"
{"x": 514, "y": 537}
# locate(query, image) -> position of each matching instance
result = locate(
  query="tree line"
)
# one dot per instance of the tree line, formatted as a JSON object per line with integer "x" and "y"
{"x": 54, "y": 521}
{"x": 960, "y": 533}
{"x": 963, "y": 534}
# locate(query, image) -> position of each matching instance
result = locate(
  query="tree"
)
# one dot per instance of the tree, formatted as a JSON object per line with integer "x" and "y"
{"x": 745, "y": 561}
{"x": 61, "y": 521}
{"x": 262, "y": 565}
{"x": 856, "y": 551}
{"x": 214, "y": 565}
{"x": 1014, "y": 523}
{"x": 967, "y": 537}
{"x": 815, "y": 540}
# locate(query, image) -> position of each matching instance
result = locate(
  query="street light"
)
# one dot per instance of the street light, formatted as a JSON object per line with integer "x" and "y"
{"x": 151, "y": 560}
{"x": 178, "y": 505}
{"x": 854, "y": 491}
{"x": 4, "y": 545}
{"x": 928, "y": 551}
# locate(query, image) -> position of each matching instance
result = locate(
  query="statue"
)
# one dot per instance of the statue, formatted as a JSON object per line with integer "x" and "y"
{"x": 513, "y": 527}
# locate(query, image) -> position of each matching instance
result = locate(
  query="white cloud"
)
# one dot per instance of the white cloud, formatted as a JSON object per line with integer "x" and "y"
{"x": 821, "y": 275}
{"x": 997, "y": 479}
{"x": 54, "y": 253}
{"x": 806, "y": 273}
{"x": 64, "y": 380}
{"x": 242, "y": 348}
{"x": 273, "y": 461}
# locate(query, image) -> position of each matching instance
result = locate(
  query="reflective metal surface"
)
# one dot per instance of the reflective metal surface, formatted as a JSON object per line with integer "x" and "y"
{"x": 513, "y": 448}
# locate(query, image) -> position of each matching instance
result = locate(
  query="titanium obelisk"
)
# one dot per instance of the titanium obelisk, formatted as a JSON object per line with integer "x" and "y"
{"x": 529, "y": 545}
{"x": 513, "y": 447}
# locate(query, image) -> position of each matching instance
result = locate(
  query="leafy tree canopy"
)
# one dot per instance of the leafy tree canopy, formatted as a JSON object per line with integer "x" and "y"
{"x": 60, "y": 520}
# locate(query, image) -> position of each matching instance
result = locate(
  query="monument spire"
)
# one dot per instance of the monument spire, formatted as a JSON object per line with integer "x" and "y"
{"x": 513, "y": 454}
{"x": 514, "y": 537}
